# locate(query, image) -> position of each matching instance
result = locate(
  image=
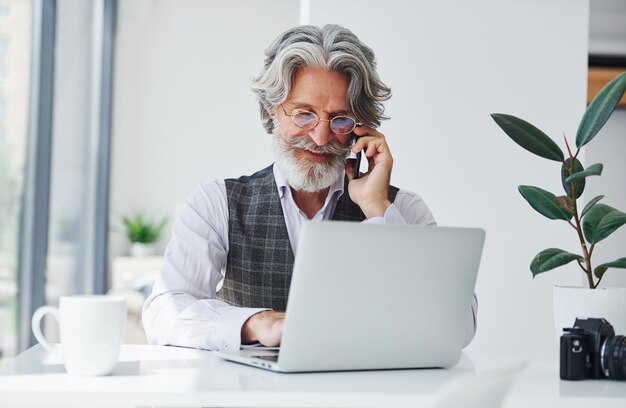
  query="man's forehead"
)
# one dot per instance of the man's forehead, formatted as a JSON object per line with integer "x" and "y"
{"x": 319, "y": 89}
{"x": 295, "y": 104}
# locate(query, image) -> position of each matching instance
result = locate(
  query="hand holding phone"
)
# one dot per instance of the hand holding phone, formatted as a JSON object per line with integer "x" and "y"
{"x": 371, "y": 191}
{"x": 357, "y": 162}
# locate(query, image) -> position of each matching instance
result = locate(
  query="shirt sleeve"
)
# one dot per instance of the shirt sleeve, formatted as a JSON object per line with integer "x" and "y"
{"x": 407, "y": 208}
{"x": 182, "y": 309}
{"x": 410, "y": 208}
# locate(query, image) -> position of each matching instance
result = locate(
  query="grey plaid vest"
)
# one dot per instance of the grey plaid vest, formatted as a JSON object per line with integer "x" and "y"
{"x": 260, "y": 258}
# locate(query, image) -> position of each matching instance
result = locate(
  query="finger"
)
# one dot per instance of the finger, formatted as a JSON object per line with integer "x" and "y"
{"x": 362, "y": 142}
{"x": 375, "y": 146}
{"x": 362, "y": 132}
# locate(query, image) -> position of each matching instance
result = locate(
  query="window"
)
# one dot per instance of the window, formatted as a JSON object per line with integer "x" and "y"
{"x": 66, "y": 164}
{"x": 4, "y": 46}
{"x": 13, "y": 135}
{"x": 6, "y": 10}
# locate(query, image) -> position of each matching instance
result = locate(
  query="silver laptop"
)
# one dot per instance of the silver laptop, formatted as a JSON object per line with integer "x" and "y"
{"x": 369, "y": 297}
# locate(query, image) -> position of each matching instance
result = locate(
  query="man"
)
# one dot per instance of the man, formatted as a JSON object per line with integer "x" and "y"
{"x": 228, "y": 264}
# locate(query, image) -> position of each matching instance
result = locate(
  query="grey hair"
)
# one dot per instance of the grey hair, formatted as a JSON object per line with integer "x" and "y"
{"x": 330, "y": 47}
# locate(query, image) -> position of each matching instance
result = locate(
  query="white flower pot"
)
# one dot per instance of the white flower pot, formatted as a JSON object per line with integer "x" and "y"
{"x": 570, "y": 303}
{"x": 139, "y": 250}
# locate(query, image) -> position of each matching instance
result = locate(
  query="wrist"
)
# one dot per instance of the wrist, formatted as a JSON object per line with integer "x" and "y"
{"x": 376, "y": 209}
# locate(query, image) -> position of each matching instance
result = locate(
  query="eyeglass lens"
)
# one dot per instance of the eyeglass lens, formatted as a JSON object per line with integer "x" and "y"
{"x": 338, "y": 124}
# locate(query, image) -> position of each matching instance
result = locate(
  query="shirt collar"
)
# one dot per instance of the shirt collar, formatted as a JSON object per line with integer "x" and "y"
{"x": 336, "y": 189}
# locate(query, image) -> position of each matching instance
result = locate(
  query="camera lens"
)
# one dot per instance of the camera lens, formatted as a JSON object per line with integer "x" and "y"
{"x": 614, "y": 358}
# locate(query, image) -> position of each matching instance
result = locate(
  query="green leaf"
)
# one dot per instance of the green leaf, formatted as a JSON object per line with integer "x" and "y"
{"x": 551, "y": 258}
{"x": 610, "y": 224}
{"x": 590, "y": 204}
{"x": 592, "y": 219}
{"x": 543, "y": 202}
{"x": 618, "y": 263}
{"x": 593, "y": 170}
{"x": 579, "y": 185}
{"x": 601, "y": 221}
{"x": 528, "y": 136}
{"x": 600, "y": 109}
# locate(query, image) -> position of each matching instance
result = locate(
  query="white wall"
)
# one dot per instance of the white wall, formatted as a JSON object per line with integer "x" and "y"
{"x": 182, "y": 71}
{"x": 451, "y": 63}
{"x": 182, "y": 109}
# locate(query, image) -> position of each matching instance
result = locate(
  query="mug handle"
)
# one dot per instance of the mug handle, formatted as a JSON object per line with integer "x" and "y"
{"x": 36, "y": 326}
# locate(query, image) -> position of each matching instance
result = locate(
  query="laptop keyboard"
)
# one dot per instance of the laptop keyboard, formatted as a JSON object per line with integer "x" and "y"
{"x": 273, "y": 358}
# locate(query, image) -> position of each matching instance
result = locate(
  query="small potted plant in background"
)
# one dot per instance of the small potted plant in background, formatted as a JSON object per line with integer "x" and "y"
{"x": 595, "y": 222}
{"x": 143, "y": 234}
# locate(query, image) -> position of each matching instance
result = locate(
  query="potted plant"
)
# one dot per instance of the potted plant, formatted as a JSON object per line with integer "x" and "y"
{"x": 143, "y": 234}
{"x": 595, "y": 222}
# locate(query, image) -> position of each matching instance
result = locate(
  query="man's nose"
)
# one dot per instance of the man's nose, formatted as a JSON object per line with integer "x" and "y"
{"x": 321, "y": 134}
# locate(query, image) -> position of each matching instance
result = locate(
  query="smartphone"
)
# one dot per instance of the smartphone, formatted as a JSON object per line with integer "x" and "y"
{"x": 357, "y": 162}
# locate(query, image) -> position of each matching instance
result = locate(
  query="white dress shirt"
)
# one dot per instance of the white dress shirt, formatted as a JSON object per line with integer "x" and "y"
{"x": 183, "y": 310}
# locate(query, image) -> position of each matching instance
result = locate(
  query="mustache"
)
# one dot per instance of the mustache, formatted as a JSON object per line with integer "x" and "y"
{"x": 333, "y": 148}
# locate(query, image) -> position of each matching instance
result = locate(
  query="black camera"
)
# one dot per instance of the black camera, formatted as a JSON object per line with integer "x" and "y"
{"x": 591, "y": 349}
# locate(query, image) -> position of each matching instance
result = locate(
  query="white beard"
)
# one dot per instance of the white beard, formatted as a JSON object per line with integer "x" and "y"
{"x": 301, "y": 174}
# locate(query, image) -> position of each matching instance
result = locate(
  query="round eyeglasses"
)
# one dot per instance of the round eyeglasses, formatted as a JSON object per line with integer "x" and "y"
{"x": 307, "y": 120}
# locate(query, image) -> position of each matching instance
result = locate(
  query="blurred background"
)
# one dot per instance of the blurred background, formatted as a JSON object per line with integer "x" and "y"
{"x": 112, "y": 112}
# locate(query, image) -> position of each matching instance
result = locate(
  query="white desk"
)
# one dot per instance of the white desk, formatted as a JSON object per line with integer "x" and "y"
{"x": 175, "y": 377}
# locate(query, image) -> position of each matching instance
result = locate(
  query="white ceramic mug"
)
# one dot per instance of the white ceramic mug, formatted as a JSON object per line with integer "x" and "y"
{"x": 91, "y": 328}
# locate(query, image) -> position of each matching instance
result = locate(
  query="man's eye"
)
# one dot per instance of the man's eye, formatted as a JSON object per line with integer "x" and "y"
{"x": 306, "y": 116}
{"x": 304, "y": 113}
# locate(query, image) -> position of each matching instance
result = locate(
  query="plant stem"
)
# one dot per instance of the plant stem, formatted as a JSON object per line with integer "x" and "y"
{"x": 586, "y": 253}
